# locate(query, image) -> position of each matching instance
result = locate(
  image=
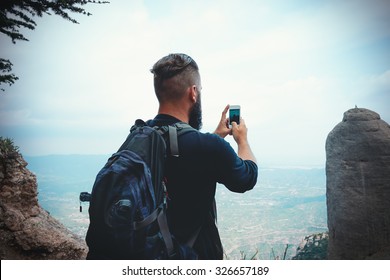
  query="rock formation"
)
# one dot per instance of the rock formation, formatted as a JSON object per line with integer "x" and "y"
{"x": 358, "y": 187}
{"x": 27, "y": 231}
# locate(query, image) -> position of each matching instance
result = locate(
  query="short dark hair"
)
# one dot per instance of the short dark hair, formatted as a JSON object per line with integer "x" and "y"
{"x": 173, "y": 74}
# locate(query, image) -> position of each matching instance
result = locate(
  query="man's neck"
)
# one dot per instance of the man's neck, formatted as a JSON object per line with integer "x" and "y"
{"x": 175, "y": 111}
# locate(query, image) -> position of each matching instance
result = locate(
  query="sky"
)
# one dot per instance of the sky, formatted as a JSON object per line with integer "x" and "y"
{"x": 294, "y": 67}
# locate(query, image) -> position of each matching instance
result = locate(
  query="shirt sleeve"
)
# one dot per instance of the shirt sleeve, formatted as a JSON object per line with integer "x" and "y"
{"x": 236, "y": 174}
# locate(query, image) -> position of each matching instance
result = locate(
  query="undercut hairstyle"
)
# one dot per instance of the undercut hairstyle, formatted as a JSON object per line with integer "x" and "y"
{"x": 173, "y": 74}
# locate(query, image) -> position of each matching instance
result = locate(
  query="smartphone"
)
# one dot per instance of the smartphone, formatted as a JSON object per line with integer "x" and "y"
{"x": 234, "y": 114}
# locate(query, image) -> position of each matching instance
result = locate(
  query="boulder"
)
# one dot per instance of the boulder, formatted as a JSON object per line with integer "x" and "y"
{"x": 358, "y": 186}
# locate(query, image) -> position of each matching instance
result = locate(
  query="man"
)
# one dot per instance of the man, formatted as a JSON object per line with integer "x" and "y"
{"x": 205, "y": 159}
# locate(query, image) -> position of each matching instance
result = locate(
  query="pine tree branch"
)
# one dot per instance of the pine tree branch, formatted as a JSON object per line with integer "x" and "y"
{"x": 5, "y": 77}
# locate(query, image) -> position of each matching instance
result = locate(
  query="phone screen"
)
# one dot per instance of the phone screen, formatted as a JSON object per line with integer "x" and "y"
{"x": 234, "y": 115}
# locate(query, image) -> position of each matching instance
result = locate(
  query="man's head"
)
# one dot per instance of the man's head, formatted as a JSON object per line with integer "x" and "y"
{"x": 175, "y": 77}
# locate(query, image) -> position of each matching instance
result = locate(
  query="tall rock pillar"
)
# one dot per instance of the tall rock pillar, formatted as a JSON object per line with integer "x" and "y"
{"x": 358, "y": 187}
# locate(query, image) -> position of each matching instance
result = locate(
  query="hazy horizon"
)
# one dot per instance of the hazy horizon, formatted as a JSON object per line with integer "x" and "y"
{"x": 105, "y": 157}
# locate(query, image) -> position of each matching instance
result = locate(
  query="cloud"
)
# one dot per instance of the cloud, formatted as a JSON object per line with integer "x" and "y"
{"x": 381, "y": 82}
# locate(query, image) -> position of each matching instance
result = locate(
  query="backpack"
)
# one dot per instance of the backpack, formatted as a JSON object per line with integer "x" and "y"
{"x": 128, "y": 202}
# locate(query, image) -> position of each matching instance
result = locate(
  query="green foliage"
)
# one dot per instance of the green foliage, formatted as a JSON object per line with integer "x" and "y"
{"x": 315, "y": 248}
{"x": 17, "y": 14}
{"x": 5, "y": 76}
{"x": 7, "y": 146}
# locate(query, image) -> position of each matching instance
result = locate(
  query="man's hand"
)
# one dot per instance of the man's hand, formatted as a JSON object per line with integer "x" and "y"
{"x": 240, "y": 135}
{"x": 223, "y": 126}
{"x": 240, "y": 131}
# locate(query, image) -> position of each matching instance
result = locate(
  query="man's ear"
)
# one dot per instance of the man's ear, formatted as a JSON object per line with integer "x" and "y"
{"x": 193, "y": 94}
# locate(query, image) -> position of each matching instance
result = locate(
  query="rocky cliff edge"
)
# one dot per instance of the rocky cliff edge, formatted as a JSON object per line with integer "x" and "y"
{"x": 27, "y": 231}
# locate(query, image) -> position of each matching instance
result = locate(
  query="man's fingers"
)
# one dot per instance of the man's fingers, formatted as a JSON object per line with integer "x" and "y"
{"x": 242, "y": 122}
{"x": 225, "y": 110}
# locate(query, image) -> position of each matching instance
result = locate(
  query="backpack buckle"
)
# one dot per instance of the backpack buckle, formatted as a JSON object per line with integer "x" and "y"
{"x": 165, "y": 192}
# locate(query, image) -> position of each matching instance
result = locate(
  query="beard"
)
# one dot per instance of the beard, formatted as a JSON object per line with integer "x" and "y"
{"x": 196, "y": 115}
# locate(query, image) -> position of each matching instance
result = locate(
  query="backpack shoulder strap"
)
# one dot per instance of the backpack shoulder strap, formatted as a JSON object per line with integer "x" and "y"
{"x": 175, "y": 131}
{"x": 183, "y": 128}
{"x": 173, "y": 142}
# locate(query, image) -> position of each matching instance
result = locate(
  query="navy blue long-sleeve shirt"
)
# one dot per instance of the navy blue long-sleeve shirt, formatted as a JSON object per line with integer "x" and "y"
{"x": 205, "y": 160}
